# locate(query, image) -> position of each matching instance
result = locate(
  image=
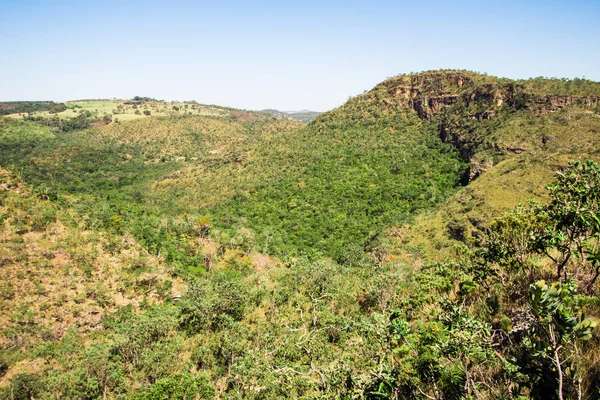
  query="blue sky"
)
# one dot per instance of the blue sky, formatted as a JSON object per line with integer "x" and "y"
{"x": 277, "y": 54}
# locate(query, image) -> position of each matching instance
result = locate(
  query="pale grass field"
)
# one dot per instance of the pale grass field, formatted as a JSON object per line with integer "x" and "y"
{"x": 101, "y": 108}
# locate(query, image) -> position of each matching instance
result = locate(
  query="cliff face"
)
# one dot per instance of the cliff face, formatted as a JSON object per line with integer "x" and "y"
{"x": 429, "y": 93}
{"x": 546, "y": 104}
{"x": 456, "y": 102}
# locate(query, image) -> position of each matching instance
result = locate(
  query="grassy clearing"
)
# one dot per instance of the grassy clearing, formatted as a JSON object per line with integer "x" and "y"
{"x": 126, "y": 110}
{"x": 100, "y": 105}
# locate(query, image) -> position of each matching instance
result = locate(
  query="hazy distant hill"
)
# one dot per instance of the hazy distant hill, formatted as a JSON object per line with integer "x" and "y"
{"x": 302, "y": 115}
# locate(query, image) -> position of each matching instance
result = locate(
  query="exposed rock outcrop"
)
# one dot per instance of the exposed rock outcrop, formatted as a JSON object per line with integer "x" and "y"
{"x": 545, "y": 104}
{"x": 428, "y": 96}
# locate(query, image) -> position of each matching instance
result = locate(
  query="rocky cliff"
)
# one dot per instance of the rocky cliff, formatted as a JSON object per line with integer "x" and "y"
{"x": 429, "y": 93}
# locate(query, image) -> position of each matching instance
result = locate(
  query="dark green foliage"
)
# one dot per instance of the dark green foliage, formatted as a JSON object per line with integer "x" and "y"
{"x": 375, "y": 175}
{"x": 574, "y": 210}
{"x": 17, "y": 107}
{"x": 23, "y": 387}
{"x": 97, "y": 372}
{"x": 140, "y": 335}
{"x": 214, "y": 302}
{"x": 81, "y": 121}
{"x": 563, "y": 86}
{"x": 142, "y": 99}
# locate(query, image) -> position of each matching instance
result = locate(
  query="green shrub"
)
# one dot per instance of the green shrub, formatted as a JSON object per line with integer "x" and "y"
{"x": 211, "y": 302}
{"x": 179, "y": 386}
{"x": 24, "y": 387}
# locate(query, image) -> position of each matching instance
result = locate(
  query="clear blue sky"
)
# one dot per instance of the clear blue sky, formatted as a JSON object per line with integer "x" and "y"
{"x": 279, "y": 54}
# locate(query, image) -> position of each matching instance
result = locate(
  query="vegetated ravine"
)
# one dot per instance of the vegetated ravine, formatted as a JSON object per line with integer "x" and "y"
{"x": 155, "y": 251}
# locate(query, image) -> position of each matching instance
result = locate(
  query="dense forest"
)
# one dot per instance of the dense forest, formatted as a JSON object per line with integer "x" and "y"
{"x": 436, "y": 237}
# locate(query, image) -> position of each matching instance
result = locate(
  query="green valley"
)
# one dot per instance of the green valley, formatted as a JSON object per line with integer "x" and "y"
{"x": 435, "y": 237}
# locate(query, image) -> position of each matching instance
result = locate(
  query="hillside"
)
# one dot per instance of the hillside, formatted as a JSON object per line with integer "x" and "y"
{"x": 378, "y": 252}
{"x": 514, "y": 134}
{"x": 247, "y": 172}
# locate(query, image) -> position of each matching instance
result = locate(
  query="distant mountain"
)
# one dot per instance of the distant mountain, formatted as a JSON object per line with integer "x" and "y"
{"x": 302, "y": 115}
{"x": 298, "y": 112}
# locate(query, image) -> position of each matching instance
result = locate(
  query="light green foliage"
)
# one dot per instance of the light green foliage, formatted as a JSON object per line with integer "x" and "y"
{"x": 553, "y": 306}
{"x": 179, "y": 386}
{"x": 555, "y": 339}
{"x": 574, "y": 210}
{"x": 565, "y": 231}
{"x": 17, "y": 137}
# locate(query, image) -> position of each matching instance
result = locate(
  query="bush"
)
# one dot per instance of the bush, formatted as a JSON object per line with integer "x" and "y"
{"x": 211, "y": 303}
{"x": 23, "y": 387}
{"x": 182, "y": 385}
